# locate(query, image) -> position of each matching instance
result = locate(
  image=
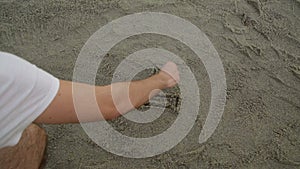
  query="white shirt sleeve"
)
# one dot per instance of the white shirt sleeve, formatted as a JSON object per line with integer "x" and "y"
{"x": 25, "y": 92}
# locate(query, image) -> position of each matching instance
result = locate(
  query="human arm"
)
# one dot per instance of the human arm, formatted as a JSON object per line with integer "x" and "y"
{"x": 62, "y": 110}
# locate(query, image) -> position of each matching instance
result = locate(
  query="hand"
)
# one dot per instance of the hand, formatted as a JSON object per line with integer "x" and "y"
{"x": 169, "y": 74}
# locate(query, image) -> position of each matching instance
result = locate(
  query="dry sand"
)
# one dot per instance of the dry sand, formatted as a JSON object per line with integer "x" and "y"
{"x": 257, "y": 40}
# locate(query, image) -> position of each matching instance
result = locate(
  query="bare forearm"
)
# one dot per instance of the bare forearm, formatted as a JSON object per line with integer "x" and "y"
{"x": 124, "y": 96}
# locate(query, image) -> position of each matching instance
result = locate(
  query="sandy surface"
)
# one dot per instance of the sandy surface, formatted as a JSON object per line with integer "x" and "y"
{"x": 257, "y": 40}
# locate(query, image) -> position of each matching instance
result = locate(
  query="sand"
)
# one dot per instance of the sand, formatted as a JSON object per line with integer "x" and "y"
{"x": 257, "y": 40}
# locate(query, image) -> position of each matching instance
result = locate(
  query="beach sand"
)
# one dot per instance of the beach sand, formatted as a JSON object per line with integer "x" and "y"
{"x": 258, "y": 42}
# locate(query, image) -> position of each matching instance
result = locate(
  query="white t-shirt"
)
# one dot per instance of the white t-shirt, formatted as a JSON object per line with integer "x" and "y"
{"x": 25, "y": 92}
